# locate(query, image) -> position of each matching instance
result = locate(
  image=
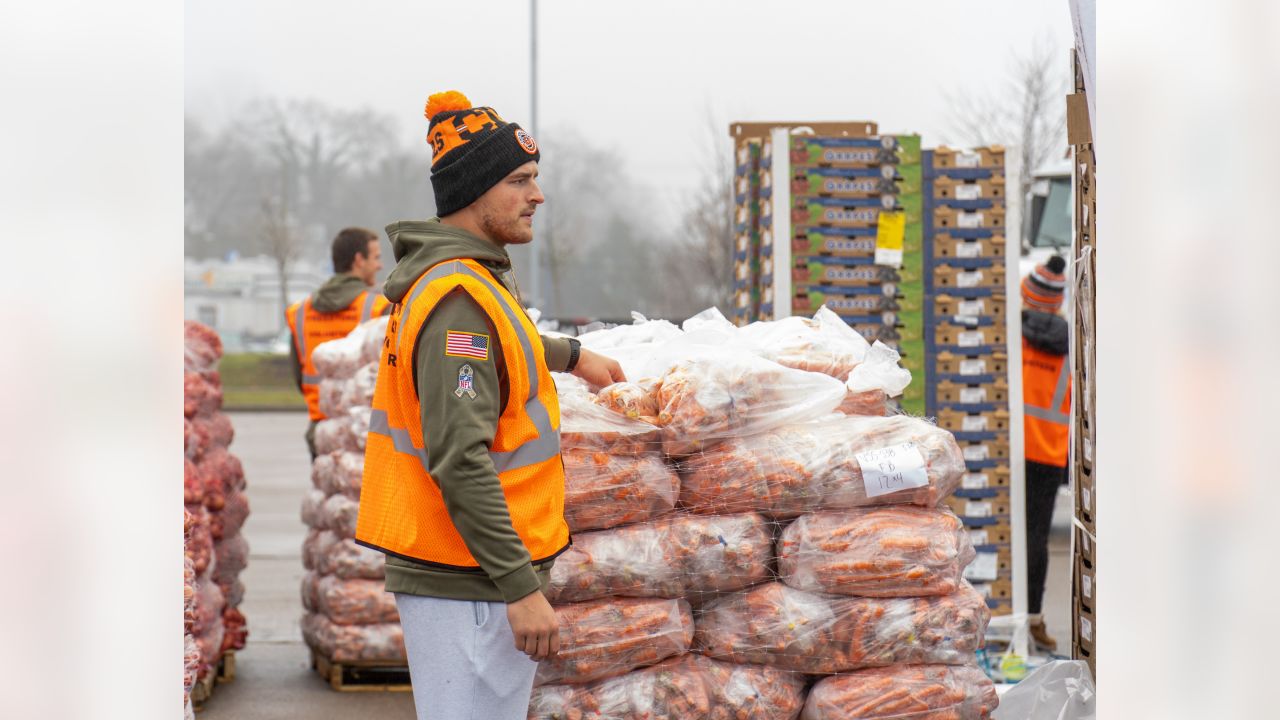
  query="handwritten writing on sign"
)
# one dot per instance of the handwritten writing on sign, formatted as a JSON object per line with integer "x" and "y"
{"x": 890, "y": 469}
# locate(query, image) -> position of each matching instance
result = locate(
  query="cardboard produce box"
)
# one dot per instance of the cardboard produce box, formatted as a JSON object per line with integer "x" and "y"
{"x": 990, "y": 566}
{"x": 996, "y": 589}
{"x": 811, "y": 243}
{"x": 988, "y": 535}
{"x": 982, "y": 450}
{"x": 971, "y": 509}
{"x": 818, "y": 273}
{"x": 812, "y": 150}
{"x": 964, "y": 336}
{"x": 946, "y": 247}
{"x": 807, "y": 303}
{"x": 990, "y": 157}
{"x": 984, "y": 421}
{"x": 951, "y": 393}
{"x": 953, "y": 278}
{"x": 947, "y": 306}
{"x": 949, "y": 218}
{"x": 830, "y": 212}
{"x": 958, "y": 190}
{"x": 838, "y": 183}
{"x": 991, "y": 364}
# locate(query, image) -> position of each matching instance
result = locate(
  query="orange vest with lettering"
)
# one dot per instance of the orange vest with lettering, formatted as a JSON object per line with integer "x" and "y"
{"x": 402, "y": 511}
{"x": 311, "y": 327}
{"x": 1046, "y": 405}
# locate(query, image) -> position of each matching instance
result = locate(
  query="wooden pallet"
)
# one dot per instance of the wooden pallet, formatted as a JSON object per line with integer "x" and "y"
{"x": 362, "y": 675}
{"x": 224, "y": 672}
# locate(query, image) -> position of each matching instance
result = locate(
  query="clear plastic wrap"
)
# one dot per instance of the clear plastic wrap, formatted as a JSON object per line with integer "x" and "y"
{"x": 210, "y": 643}
{"x": 199, "y": 395}
{"x": 347, "y": 432}
{"x": 588, "y": 424}
{"x": 231, "y": 518}
{"x": 611, "y": 637}
{"x": 893, "y": 551}
{"x": 879, "y": 371}
{"x": 822, "y": 344}
{"x": 317, "y": 544}
{"x": 637, "y": 400}
{"x": 350, "y": 643}
{"x": 233, "y": 557}
{"x": 311, "y": 503}
{"x": 202, "y": 347}
{"x": 235, "y": 630}
{"x": 192, "y": 484}
{"x": 209, "y": 604}
{"x": 681, "y": 688}
{"x": 873, "y": 403}
{"x": 642, "y": 331}
{"x": 199, "y": 540}
{"x": 815, "y": 466}
{"x": 341, "y": 358}
{"x": 338, "y": 513}
{"x": 677, "y": 557}
{"x": 713, "y": 396}
{"x": 904, "y": 692}
{"x": 347, "y": 560}
{"x": 355, "y": 602}
{"x": 604, "y": 490}
{"x": 817, "y": 633}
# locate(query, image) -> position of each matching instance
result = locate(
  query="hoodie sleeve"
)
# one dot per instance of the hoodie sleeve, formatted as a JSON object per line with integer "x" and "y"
{"x": 556, "y": 352}
{"x": 461, "y": 399}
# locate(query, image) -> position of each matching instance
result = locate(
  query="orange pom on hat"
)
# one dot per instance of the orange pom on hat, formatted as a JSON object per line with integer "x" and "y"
{"x": 445, "y": 101}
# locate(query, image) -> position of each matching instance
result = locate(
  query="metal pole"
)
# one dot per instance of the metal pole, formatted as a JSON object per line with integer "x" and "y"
{"x": 535, "y": 267}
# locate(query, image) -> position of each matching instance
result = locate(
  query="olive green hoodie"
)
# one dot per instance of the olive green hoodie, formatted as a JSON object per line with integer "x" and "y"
{"x": 458, "y": 429}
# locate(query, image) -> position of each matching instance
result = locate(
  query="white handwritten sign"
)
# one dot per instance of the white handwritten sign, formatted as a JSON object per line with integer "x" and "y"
{"x": 890, "y": 469}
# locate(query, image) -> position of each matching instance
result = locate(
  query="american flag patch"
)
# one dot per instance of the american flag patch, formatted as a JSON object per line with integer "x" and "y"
{"x": 465, "y": 344}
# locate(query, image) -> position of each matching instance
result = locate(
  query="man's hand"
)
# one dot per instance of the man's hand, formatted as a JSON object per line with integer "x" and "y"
{"x": 598, "y": 370}
{"x": 533, "y": 623}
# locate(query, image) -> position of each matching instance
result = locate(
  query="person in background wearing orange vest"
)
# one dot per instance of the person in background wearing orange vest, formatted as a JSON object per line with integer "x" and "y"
{"x": 1046, "y": 397}
{"x": 342, "y": 302}
{"x": 463, "y": 485}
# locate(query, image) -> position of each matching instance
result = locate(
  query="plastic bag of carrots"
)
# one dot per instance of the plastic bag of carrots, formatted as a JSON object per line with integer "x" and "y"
{"x": 904, "y": 692}
{"x": 817, "y": 633}
{"x": 822, "y": 344}
{"x": 355, "y": 602}
{"x": 815, "y": 466}
{"x": 891, "y": 551}
{"x": 588, "y": 423}
{"x": 681, "y": 556}
{"x": 715, "y": 395}
{"x": 604, "y": 490}
{"x": 680, "y": 688}
{"x": 614, "y": 636}
{"x": 348, "y": 643}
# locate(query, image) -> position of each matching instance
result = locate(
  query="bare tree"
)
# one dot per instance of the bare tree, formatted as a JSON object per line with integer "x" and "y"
{"x": 1027, "y": 113}
{"x": 703, "y": 255}
{"x": 280, "y": 241}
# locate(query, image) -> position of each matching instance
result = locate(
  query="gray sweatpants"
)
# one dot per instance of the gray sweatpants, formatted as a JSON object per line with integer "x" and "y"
{"x": 463, "y": 660}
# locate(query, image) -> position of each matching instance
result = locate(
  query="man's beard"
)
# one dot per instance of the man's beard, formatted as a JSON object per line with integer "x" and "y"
{"x": 507, "y": 234}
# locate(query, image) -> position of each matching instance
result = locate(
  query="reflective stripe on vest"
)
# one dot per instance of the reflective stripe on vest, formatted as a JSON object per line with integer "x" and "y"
{"x": 540, "y": 449}
{"x": 1052, "y": 413}
{"x": 367, "y": 312}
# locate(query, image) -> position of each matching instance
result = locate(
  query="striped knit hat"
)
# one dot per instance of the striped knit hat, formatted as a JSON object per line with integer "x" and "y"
{"x": 473, "y": 148}
{"x": 1042, "y": 288}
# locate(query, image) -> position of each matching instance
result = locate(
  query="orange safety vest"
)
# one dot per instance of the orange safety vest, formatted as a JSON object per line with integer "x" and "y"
{"x": 1046, "y": 405}
{"x": 402, "y": 511}
{"x": 311, "y": 327}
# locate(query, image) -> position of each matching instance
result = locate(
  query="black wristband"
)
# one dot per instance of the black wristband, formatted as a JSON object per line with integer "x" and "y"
{"x": 575, "y": 350}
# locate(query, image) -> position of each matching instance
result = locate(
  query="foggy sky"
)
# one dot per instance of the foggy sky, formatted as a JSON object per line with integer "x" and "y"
{"x": 643, "y": 78}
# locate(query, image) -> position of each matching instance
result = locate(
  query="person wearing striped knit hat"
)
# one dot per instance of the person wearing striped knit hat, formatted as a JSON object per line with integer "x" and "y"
{"x": 1046, "y": 397}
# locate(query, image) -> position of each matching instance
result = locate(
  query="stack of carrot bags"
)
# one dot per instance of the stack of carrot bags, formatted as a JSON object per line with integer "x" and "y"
{"x": 216, "y": 505}
{"x": 746, "y": 546}
{"x": 349, "y": 617}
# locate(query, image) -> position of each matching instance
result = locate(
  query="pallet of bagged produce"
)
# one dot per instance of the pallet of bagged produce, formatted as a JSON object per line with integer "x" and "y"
{"x": 224, "y": 672}
{"x": 362, "y": 675}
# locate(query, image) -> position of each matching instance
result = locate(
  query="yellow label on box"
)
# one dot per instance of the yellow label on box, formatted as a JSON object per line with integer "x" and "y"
{"x": 891, "y": 230}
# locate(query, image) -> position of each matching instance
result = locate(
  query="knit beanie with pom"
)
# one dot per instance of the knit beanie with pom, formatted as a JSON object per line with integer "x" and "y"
{"x": 1043, "y": 287}
{"x": 472, "y": 149}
